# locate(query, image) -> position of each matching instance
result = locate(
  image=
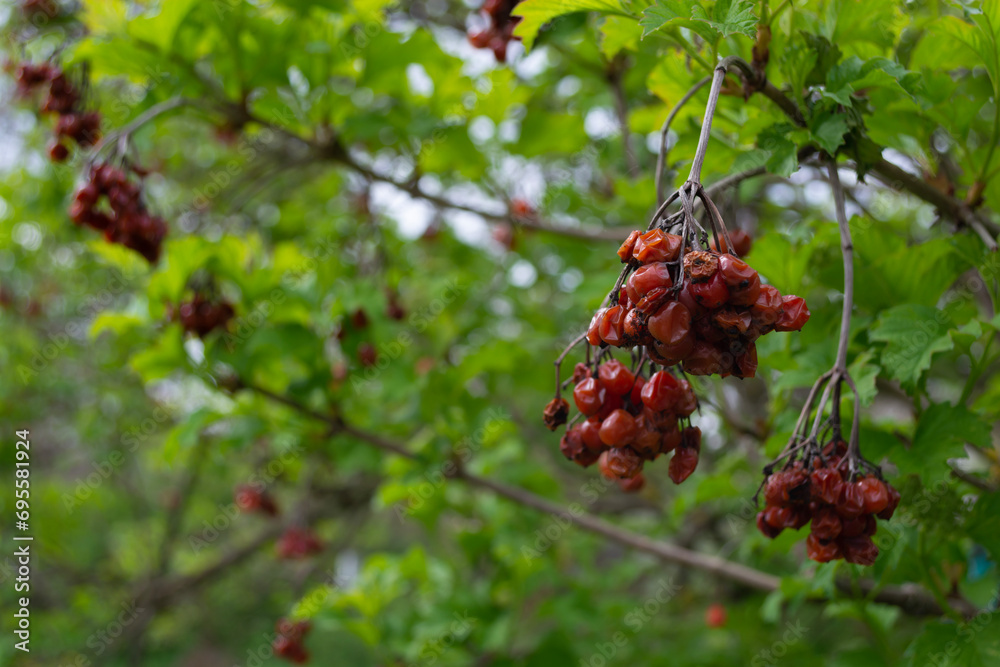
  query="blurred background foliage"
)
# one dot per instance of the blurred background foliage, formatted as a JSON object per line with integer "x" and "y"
{"x": 335, "y": 156}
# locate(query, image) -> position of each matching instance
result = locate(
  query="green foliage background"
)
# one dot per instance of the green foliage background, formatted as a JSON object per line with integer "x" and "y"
{"x": 365, "y": 119}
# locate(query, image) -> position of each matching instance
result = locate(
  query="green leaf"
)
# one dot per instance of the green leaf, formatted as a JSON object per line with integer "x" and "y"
{"x": 983, "y": 524}
{"x": 664, "y": 14}
{"x": 941, "y": 434}
{"x": 783, "y": 153}
{"x": 729, "y": 17}
{"x": 829, "y": 131}
{"x": 161, "y": 28}
{"x": 913, "y": 334}
{"x": 619, "y": 33}
{"x": 537, "y": 13}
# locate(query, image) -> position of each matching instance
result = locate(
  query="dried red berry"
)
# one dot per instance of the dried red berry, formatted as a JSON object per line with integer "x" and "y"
{"x": 589, "y": 396}
{"x": 611, "y": 328}
{"x": 590, "y": 432}
{"x": 555, "y": 413}
{"x": 826, "y": 485}
{"x": 618, "y": 429}
{"x": 625, "y": 251}
{"x": 616, "y": 377}
{"x": 820, "y": 551}
{"x": 794, "y": 314}
{"x": 656, "y": 246}
{"x": 851, "y": 502}
{"x": 620, "y": 463}
{"x": 858, "y": 550}
{"x": 633, "y": 484}
{"x": 647, "y": 278}
{"x": 712, "y": 293}
{"x": 826, "y": 524}
{"x": 742, "y": 242}
{"x": 661, "y": 392}
{"x": 890, "y": 509}
{"x": 875, "y": 493}
{"x": 700, "y": 266}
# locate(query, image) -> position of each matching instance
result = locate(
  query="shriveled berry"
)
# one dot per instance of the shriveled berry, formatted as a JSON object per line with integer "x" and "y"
{"x": 826, "y": 485}
{"x": 794, "y": 314}
{"x": 858, "y": 550}
{"x": 854, "y": 527}
{"x": 671, "y": 326}
{"x": 625, "y": 251}
{"x": 712, "y": 293}
{"x": 767, "y": 308}
{"x": 708, "y": 359}
{"x": 736, "y": 273}
{"x": 851, "y": 502}
{"x": 657, "y": 246}
{"x": 731, "y": 321}
{"x": 632, "y": 484}
{"x": 700, "y": 266}
{"x": 580, "y": 372}
{"x": 647, "y": 278}
{"x": 612, "y": 402}
{"x": 821, "y": 551}
{"x": 620, "y": 463}
{"x": 634, "y": 331}
{"x": 571, "y": 443}
{"x": 767, "y": 529}
{"x": 688, "y": 402}
{"x": 555, "y": 413}
{"x": 589, "y": 396}
{"x": 661, "y": 392}
{"x": 590, "y": 431}
{"x": 890, "y": 509}
{"x": 618, "y": 429}
{"x": 826, "y": 524}
{"x": 646, "y": 442}
{"x": 875, "y": 493}
{"x": 593, "y": 332}
{"x": 612, "y": 326}
{"x": 682, "y": 463}
{"x": 671, "y": 440}
{"x": 58, "y": 152}
{"x": 616, "y": 377}
{"x": 745, "y": 296}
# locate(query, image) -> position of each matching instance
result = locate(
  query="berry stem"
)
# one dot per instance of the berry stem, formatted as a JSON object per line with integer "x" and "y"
{"x": 706, "y": 124}
{"x": 661, "y": 157}
{"x": 847, "y": 249}
{"x": 559, "y": 360}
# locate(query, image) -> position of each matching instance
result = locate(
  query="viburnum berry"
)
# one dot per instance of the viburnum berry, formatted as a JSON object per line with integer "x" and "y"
{"x": 616, "y": 377}
{"x": 249, "y": 498}
{"x": 556, "y": 413}
{"x": 632, "y": 484}
{"x": 298, "y": 542}
{"x": 287, "y": 643}
{"x": 647, "y": 278}
{"x": 620, "y": 463}
{"x": 628, "y": 246}
{"x": 590, "y": 432}
{"x": 611, "y": 328}
{"x": 712, "y": 293}
{"x": 822, "y": 551}
{"x": 715, "y": 616}
{"x": 367, "y": 354}
{"x": 685, "y": 457}
{"x": 794, "y": 314}
{"x": 742, "y": 242}
{"x": 618, "y": 429}
{"x": 700, "y": 266}
{"x": 201, "y": 314}
{"x": 661, "y": 392}
{"x": 657, "y": 246}
{"x": 589, "y": 396}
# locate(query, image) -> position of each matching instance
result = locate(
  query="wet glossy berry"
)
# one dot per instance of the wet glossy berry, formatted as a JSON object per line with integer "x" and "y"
{"x": 875, "y": 493}
{"x": 661, "y": 392}
{"x": 618, "y": 429}
{"x": 742, "y": 242}
{"x": 627, "y": 248}
{"x": 712, "y": 293}
{"x": 589, "y": 396}
{"x": 647, "y": 278}
{"x": 794, "y": 314}
{"x": 657, "y": 246}
{"x": 590, "y": 431}
{"x": 620, "y": 463}
{"x": 611, "y": 328}
{"x": 617, "y": 378}
{"x": 671, "y": 327}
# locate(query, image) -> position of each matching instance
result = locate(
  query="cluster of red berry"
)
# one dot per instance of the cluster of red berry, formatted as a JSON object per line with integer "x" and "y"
{"x": 842, "y": 508}
{"x": 704, "y": 310}
{"x": 125, "y": 219}
{"x": 202, "y": 315}
{"x": 298, "y": 542}
{"x": 288, "y": 643}
{"x": 83, "y": 127}
{"x": 250, "y": 498}
{"x": 500, "y": 32}
{"x": 628, "y": 420}
{"x": 40, "y": 8}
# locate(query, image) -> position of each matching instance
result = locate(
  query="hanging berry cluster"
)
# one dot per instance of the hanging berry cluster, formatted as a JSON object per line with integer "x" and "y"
{"x": 702, "y": 309}
{"x": 840, "y": 501}
{"x": 202, "y": 314}
{"x": 288, "y": 642}
{"x": 64, "y": 99}
{"x": 298, "y": 542}
{"x": 627, "y": 421}
{"x": 500, "y": 31}
{"x": 124, "y": 219}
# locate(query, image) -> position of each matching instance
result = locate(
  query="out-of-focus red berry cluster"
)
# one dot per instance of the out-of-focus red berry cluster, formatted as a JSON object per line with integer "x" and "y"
{"x": 628, "y": 420}
{"x": 201, "y": 315}
{"x": 63, "y": 99}
{"x": 500, "y": 32}
{"x": 843, "y": 508}
{"x": 704, "y": 310}
{"x": 298, "y": 542}
{"x": 250, "y": 498}
{"x": 124, "y": 219}
{"x": 288, "y": 643}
